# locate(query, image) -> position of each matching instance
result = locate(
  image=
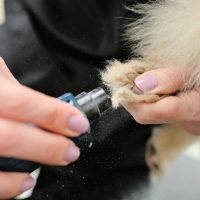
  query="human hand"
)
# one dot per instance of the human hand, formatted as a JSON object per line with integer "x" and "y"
{"x": 182, "y": 109}
{"x": 22, "y": 106}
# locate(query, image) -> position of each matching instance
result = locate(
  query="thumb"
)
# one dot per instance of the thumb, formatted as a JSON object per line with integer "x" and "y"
{"x": 162, "y": 80}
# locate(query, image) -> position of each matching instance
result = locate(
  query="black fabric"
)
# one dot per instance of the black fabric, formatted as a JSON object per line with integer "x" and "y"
{"x": 89, "y": 27}
{"x": 78, "y": 50}
{"x": 111, "y": 164}
{"x": 57, "y": 47}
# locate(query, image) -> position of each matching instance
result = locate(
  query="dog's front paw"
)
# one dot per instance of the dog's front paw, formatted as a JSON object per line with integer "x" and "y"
{"x": 158, "y": 150}
{"x": 165, "y": 145}
{"x": 119, "y": 78}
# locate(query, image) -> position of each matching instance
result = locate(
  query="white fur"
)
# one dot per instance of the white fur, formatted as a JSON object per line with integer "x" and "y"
{"x": 168, "y": 34}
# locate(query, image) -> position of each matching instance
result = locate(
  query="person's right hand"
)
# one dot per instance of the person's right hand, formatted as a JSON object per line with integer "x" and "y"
{"x": 21, "y": 107}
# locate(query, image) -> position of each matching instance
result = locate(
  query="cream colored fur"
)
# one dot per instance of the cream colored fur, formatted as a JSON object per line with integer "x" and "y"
{"x": 166, "y": 34}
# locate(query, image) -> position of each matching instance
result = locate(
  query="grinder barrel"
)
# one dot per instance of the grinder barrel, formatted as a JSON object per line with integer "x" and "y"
{"x": 94, "y": 103}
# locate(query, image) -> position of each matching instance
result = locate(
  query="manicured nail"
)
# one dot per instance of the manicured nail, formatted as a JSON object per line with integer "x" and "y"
{"x": 72, "y": 154}
{"x": 146, "y": 83}
{"x": 78, "y": 124}
{"x": 28, "y": 184}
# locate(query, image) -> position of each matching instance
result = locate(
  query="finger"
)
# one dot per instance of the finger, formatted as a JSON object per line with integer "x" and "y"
{"x": 24, "y": 104}
{"x": 5, "y": 72}
{"x": 173, "y": 109}
{"x": 23, "y": 141}
{"x": 163, "y": 111}
{"x": 13, "y": 184}
{"x": 163, "y": 81}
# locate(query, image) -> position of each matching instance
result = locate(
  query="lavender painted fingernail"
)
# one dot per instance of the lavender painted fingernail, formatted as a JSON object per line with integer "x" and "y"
{"x": 72, "y": 154}
{"x": 78, "y": 124}
{"x": 146, "y": 82}
{"x": 28, "y": 184}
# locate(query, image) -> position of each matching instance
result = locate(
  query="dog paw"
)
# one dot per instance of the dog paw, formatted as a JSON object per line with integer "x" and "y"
{"x": 119, "y": 78}
{"x": 155, "y": 160}
{"x": 164, "y": 146}
{"x": 160, "y": 151}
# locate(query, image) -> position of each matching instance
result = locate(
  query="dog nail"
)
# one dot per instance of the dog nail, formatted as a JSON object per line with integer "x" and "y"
{"x": 140, "y": 70}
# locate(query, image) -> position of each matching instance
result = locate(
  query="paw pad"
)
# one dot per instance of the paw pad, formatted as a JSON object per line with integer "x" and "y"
{"x": 119, "y": 78}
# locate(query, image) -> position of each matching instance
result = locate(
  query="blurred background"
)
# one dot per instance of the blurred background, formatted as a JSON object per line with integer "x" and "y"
{"x": 60, "y": 46}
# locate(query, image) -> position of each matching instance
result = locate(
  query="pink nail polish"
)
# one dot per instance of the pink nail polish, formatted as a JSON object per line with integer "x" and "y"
{"x": 78, "y": 124}
{"x": 146, "y": 83}
{"x": 28, "y": 184}
{"x": 72, "y": 154}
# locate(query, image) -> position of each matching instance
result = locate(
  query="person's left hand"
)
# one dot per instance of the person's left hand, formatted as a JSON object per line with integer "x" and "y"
{"x": 182, "y": 109}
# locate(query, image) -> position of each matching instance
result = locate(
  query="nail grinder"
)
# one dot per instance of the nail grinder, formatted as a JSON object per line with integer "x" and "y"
{"x": 92, "y": 104}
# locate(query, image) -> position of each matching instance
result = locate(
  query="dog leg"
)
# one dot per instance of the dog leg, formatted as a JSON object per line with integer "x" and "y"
{"x": 165, "y": 145}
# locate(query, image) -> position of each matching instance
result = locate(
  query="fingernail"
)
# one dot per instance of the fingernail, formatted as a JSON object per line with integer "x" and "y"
{"x": 146, "y": 83}
{"x": 72, "y": 154}
{"x": 28, "y": 184}
{"x": 78, "y": 124}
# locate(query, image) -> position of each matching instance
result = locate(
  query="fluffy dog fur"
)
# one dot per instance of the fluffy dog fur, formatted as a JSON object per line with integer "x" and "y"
{"x": 167, "y": 34}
